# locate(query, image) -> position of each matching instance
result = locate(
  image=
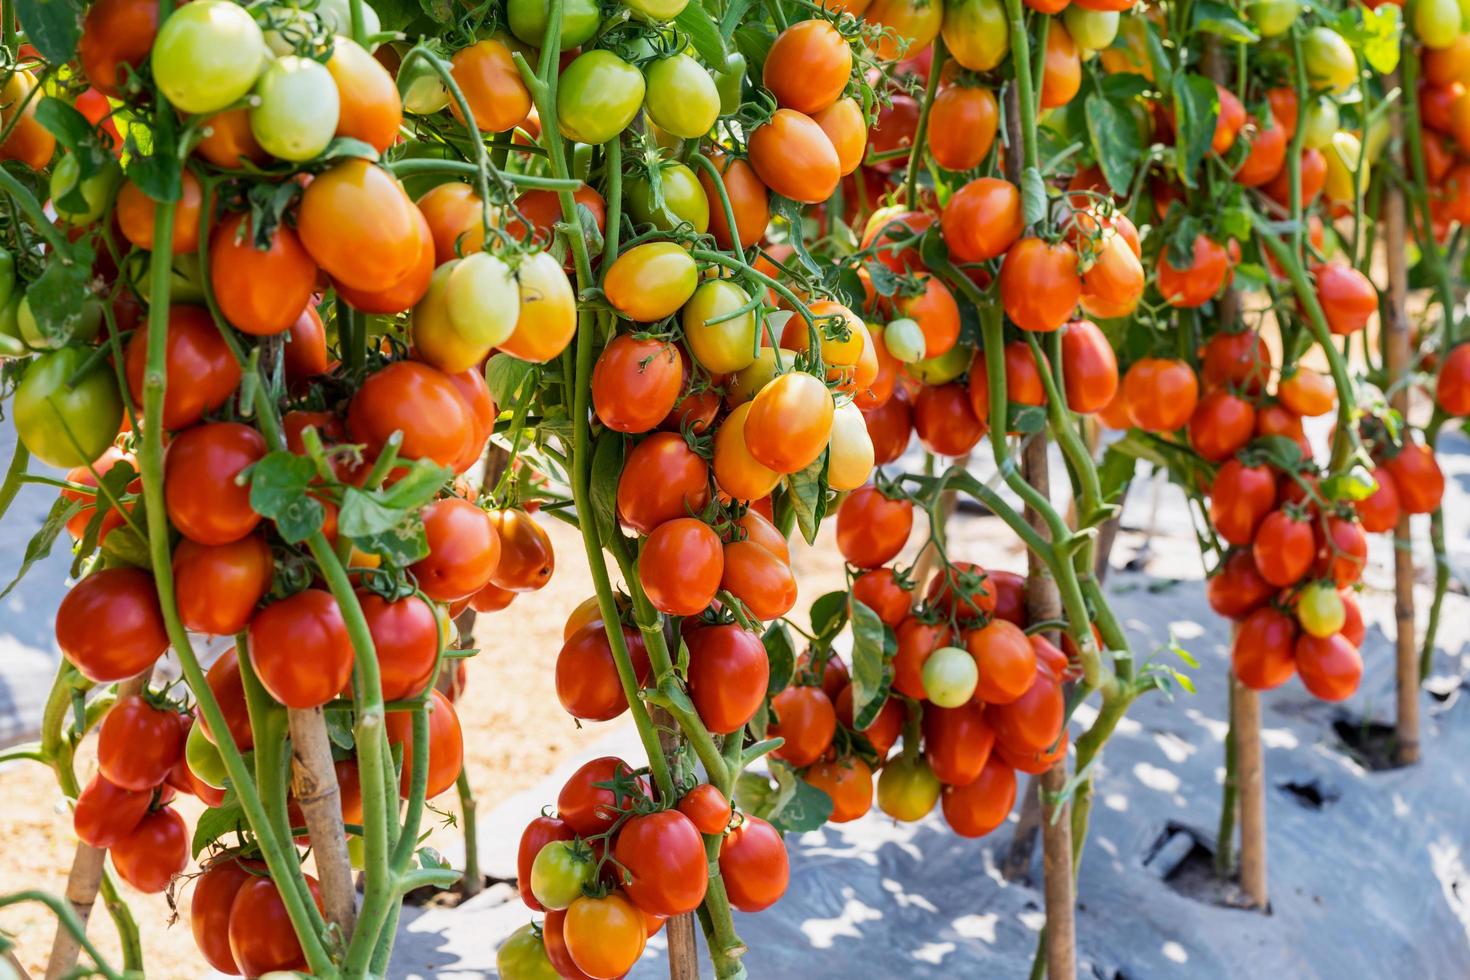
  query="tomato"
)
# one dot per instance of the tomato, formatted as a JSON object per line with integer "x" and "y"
{"x": 597, "y": 96}
{"x": 526, "y": 558}
{"x": 936, "y": 312}
{"x": 1094, "y": 25}
{"x": 962, "y": 589}
{"x": 261, "y": 936}
{"x": 793, "y": 157}
{"x": 1113, "y": 282}
{"x": 977, "y": 32}
{"x": 957, "y": 742}
{"x": 737, "y": 472}
{"x": 301, "y": 650}
{"x": 1236, "y": 589}
{"x": 872, "y": 528}
{"x": 723, "y": 347}
{"x": 591, "y": 809}
{"x": 579, "y": 22}
{"x": 848, "y": 783}
{"x": 204, "y": 502}
{"x": 542, "y": 208}
{"x": 1344, "y": 550}
{"x": 1221, "y": 425}
{"x": 1089, "y": 367}
{"x": 1235, "y": 359}
{"x": 728, "y": 674}
{"x": 1061, "y": 75}
{"x": 548, "y": 316}
{"x": 523, "y": 956}
{"x": 359, "y": 225}
{"x": 789, "y": 423}
{"x": 847, "y": 127}
{"x": 945, "y": 421}
{"x": 29, "y": 141}
{"x": 808, "y": 66}
{"x": 1023, "y": 380}
{"x": 464, "y": 549}
{"x": 296, "y": 107}
{"x": 110, "y": 625}
{"x": 651, "y": 281}
{"x": 914, "y": 25}
{"x": 1240, "y": 499}
{"x": 453, "y": 213}
{"x": 1267, "y": 157}
{"x": 370, "y": 109}
{"x": 663, "y": 856}
{"x": 706, "y": 807}
{"x": 907, "y": 789}
{"x": 587, "y": 680}
{"x": 1417, "y": 477}
{"x": 1035, "y": 720}
{"x": 1452, "y": 387}
{"x": 758, "y": 528}
{"x": 446, "y": 744}
{"x": 116, "y": 36}
{"x": 604, "y": 936}
{"x": 879, "y": 590}
{"x": 418, "y": 400}
{"x": 683, "y": 200}
{"x": 749, "y": 200}
{"x": 1320, "y": 610}
{"x": 949, "y": 677}
{"x": 559, "y": 872}
{"x": 681, "y": 97}
{"x": 1329, "y": 61}
{"x": 754, "y": 865}
{"x": 636, "y": 383}
{"x": 805, "y": 718}
{"x": 680, "y": 566}
{"x": 556, "y": 949}
{"x": 153, "y": 852}
{"x": 202, "y": 371}
{"x": 662, "y": 479}
{"x": 487, "y": 77}
{"x": 982, "y": 219}
{"x": 1283, "y": 548}
{"x": 979, "y": 806}
{"x": 1314, "y": 175}
{"x": 137, "y": 744}
{"x": 1330, "y": 667}
{"x": 67, "y": 426}
{"x": 209, "y": 907}
{"x": 105, "y": 813}
{"x": 1347, "y": 297}
{"x": 1379, "y": 511}
{"x": 405, "y": 635}
{"x": 1197, "y": 283}
{"x": 207, "y": 56}
{"x": 1006, "y": 661}
{"x": 542, "y": 830}
{"x": 228, "y": 139}
{"x": 134, "y": 211}
{"x": 762, "y": 581}
{"x": 1161, "y": 393}
{"x": 1039, "y": 284}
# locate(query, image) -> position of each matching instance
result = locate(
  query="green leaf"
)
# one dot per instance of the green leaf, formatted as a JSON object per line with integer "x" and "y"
{"x": 53, "y": 26}
{"x": 1025, "y": 419}
{"x": 1379, "y": 37}
{"x": 800, "y": 805}
{"x": 215, "y": 823}
{"x": 808, "y": 495}
{"x": 278, "y": 491}
{"x": 339, "y": 727}
{"x": 1124, "y": 86}
{"x": 754, "y": 42}
{"x": 157, "y": 174}
{"x": 63, "y": 510}
{"x": 125, "y": 546}
{"x": 394, "y": 533}
{"x": 1114, "y": 134}
{"x": 1196, "y": 107}
{"x": 781, "y": 653}
{"x": 1033, "y": 196}
{"x": 1283, "y": 451}
{"x": 504, "y": 376}
{"x": 829, "y": 615}
{"x": 346, "y": 146}
{"x": 416, "y": 487}
{"x": 1218, "y": 19}
{"x": 1115, "y": 473}
{"x": 1356, "y": 484}
{"x": 59, "y": 296}
{"x": 869, "y": 679}
{"x": 439, "y": 11}
{"x": 704, "y": 34}
{"x": 607, "y": 467}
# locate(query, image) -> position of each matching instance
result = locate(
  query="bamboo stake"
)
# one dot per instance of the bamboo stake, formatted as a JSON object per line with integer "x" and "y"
{"x": 1396, "y": 359}
{"x": 314, "y": 783}
{"x": 681, "y": 929}
{"x": 1250, "y": 778}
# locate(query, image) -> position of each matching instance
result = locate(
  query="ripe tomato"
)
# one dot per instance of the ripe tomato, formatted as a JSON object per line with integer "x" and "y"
{"x": 962, "y": 589}
{"x": 808, "y": 66}
{"x": 636, "y": 383}
{"x": 262, "y": 939}
{"x": 1240, "y": 499}
{"x": 758, "y": 528}
{"x": 680, "y": 566}
{"x": 1006, "y": 661}
{"x": 1061, "y": 73}
{"x": 707, "y": 808}
{"x": 651, "y": 281}
{"x": 1235, "y": 359}
{"x": 1417, "y": 477}
{"x": 418, "y": 400}
{"x": 405, "y": 635}
{"x": 1039, "y": 284}
{"x": 754, "y": 865}
{"x": 1160, "y": 393}
{"x": 962, "y": 125}
{"x": 762, "y": 581}
{"x": 110, "y": 625}
{"x": 1221, "y": 425}
{"x": 105, "y": 813}
{"x": 228, "y": 140}
{"x": 526, "y": 558}
{"x": 663, "y": 856}
{"x": 605, "y": 936}
{"x": 890, "y": 427}
{"x": 848, "y": 783}
{"x": 542, "y": 830}
{"x": 137, "y": 744}
{"x": 1344, "y": 550}
{"x": 749, "y": 200}
{"x": 358, "y": 224}
{"x": 134, "y": 210}
{"x": 453, "y": 212}
{"x": 590, "y": 809}
{"x": 1379, "y": 511}
{"x": 982, "y": 219}
{"x": 301, "y": 649}
{"x": 202, "y": 498}
{"x": 1089, "y": 367}
{"x": 1197, "y": 283}
{"x": 1314, "y": 176}
{"x": 1267, "y": 157}
{"x": 944, "y": 420}
{"x": 1452, "y": 388}
{"x": 878, "y": 589}
{"x": 976, "y": 808}
{"x": 1034, "y": 721}
{"x": 957, "y": 742}
{"x": 153, "y": 852}
{"x": 662, "y": 479}
{"x": 597, "y": 96}
{"x": 789, "y": 423}
{"x": 1347, "y": 297}
{"x": 907, "y": 789}
{"x": 936, "y": 312}
{"x": 1307, "y": 392}
{"x": 371, "y": 109}
{"x": 728, "y": 674}
{"x": 1330, "y": 667}
{"x": 115, "y": 34}
{"x": 1236, "y": 589}
{"x": 793, "y": 157}
{"x": 1113, "y": 282}
{"x": 491, "y": 84}
{"x": 202, "y": 371}
{"x": 209, "y": 907}
{"x": 66, "y": 416}
{"x": 587, "y": 680}
{"x": 1283, "y": 549}
{"x": 805, "y": 718}
{"x": 847, "y": 128}
{"x": 1023, "y": 380}
{"x": 872, "y": 528}
{"x": 306, "y": 347}
{"x": 446, "y": 744}
{"x": 464, "y": 550}
{"x": 555, "y": 944}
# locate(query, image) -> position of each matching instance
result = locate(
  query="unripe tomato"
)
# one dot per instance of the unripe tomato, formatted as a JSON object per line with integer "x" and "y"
{"x": 907, "y": 789}
{"x": 651, "y": 281}
{"x": 850, "y": 451}
{"x": 949, "y": 677}
{"x": 29, "y": 141}
{"x": 977, "y": 33}
{"x": 1320, "y": 610}
{"x": 597, "y": 96}
{"x": 1093, "y": 30}
{"x": 482, "y": 300}
{"x": 914, "y": 24}
{"x": 559, "y": 872}
{"x": 548, "y": 315}
{"x": 95, "y": 192}
{"x": 523, "y": 956}
{"x": 684, "y": 200}
{"x": 1272, "y": 18}
{"x": 727, "y": 346}
{"x": 1436, "y": 22}
{"x": 63, "y": 418}
{"x": 1344, "y": 159}
{"x": 297, "y": 110}
{"x": 541, "y": 831}
{"x": 754, "y": 865}
{"x": 207, "y": 55}
{"x": 681, "y": 97}
{"x": 579, "y": 22}
{"x": 905, "y": 340}
{"x": 1329, "y": 61}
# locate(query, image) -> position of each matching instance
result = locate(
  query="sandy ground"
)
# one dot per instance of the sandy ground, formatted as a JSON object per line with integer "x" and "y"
{"x": 515, "y": 734}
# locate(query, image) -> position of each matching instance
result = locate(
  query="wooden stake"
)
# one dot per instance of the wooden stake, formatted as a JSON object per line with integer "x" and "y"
{"x": 1396, "y": 358}
{"x": 314, "y": 783}
{"x": 1251, "y": 788}
{"x": 681, "y": 929}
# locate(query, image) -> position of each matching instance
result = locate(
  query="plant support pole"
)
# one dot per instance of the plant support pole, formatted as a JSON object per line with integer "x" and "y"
{"x": 314, "y": 783}
{"x": 1250, "y": 778}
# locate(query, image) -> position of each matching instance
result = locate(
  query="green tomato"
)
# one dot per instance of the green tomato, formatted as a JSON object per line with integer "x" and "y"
{"x": 293, "y": 27}
{"x": 682, "y": 98}
{"x": 423, "y": 92}
{"x": 1437, "y": 22}
{"x": 730, "y": 83}
{"x": 356, "y": 852}
{"x": 203, "y": 758}
{"x": 84, "y": 331}
{"x": 727, "y": 346}
{"x": 950, "y": 676}
{"x": 482, "y": 299}
{"x": 11, "y": 344}
{"x": 64, "y": 426}
{"x": 186, "y": 279}
{"x": 684, "y": 200}
{"x": 942, "y": 369}
{"x": 1091, "y": 29}
{"x": 977, "y": 32}
{"x": 336, "y": 16}
{"x": 745, "y": 383}
{"x": 905, "y": 339}
{"x": 1320, "y": 609}
{"x": 298, "y": 109}
{"x": 579, "y": 21}
{"x": 907, "y": 788}
{"x": 7, "y": 275}
{"x": 561, "y": 869}
{"x": 96, "y": 191}
{"x": 1272, "y": 18}
{"x": 1329, "y": 60}
{"x": 1319, "y": 123}
{"x": 657, "y": 10}
{"x": 598, "y": 95}
{"x": 523, "y": 957}
{"x": 208, "y": 55}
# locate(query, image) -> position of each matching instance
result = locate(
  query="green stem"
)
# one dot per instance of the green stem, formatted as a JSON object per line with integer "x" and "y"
{"x": 70, "y": 921}
{"x": 920, "y": 144}
{"x": 1021, "y": 62}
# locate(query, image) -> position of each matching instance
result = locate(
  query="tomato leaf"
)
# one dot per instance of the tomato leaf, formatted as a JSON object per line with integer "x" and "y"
{"x": 394, "y": 533}
{"x": 781, "y": 653}
{"x": 607, "y": 467}
{"x": 704, "y": 34}
{"x": 1218, "y": 19}
{"x": 504, "y": 376}
{"x": 754, "y": 42}
{"x": 278, "y": 491}
{"x": 809, "y": 497}
{"x": 829, "y": 615}
{"x": 1115, "y": 142}
{"x": 75, "y": 132}
{"x": 59, "y": 296}
{"x": 1196, "y": 107}
{"x": 214, "y": 823}
{"x": 1025, "y": 419}
{"x": 415, "y": 488}
{"x": 1115, "y": 473}
{"x": 799, "y": 806}
{"x": 870, "y": 678}
{"x": 1378, "y": 36}
{"x": 439, "y": 11}
{"x": 53, "y": 26}
{"x": 1033, "y": 196}
{"x": 63, "y": 510}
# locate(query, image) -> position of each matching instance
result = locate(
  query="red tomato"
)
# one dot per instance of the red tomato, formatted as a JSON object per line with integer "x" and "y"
{"x": 1330, "y": 667}
{"x": 981, "y": 805}
{"x": 805, "y": 718}
{"x": 662, "y": 479}
{"x": 405, "y": 636}
{"x": 1034, "y": 721}
{"x": 728, "y": 674}
{"x": 1347, "y": 297}
{"x": 228, "y": 689}
{"x": 587, "y": 681}
{"x": 219, "y": 586}
{"x": 1343, "y": 552}
{"x": 762, "y": 581}
{"x": 1236, "y": 589}
{"x": 680, "y": 566}
{"x": 301, "y": 649}
{"x": 663, "y": 858}
{"x": 1283, "y": 549}
{"x": 1161, "y": 393}
{"x": 962, "y": 589}
{"x": 526, "y": 558}
{"x": 1089, "y": 367}
{"x": 209, "y": 907}
{"x": 945, "y": 421}
{"x": 916, "y": 641}
{"x": 262, "y": 939}
{"x": 153, "y": 852}
{"x": 202, "y": 373}
{"x": 418, "y": 400}
{"x": 1417, "y": 477}
{"x": 1221, "y": 425}
{"x": 957, "y": 742}
{"x": 1236, "y": 359}
{"x": 137, "y": 744}
{"x": 636, "y": 383}
{"x": 1380, "y": 511}
{"x": 889, "y": 426}
{"x": 591, "y": 809}
{"x": 1006, "y": 661}
{"x": 754, "y": 865}
{"x": 707, "y": 808}
{"x": 1197, "y": 283}
{"x": 1039, "y": 284}
{"x": 238, "y": 269}
{"x": 848, "y": 783}
{"x": 104, "y": 814}
{"x": 982, "y": 219}
{"x": 464, "y": 550}
{"x": 1261, "y": 654}
{"x": 879, "y": 590}
{"x": 872, "y": 528}
{"x": 446, "y": 745}
{"x": 110, "y": 625}
{"x": 202, "y": 498}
